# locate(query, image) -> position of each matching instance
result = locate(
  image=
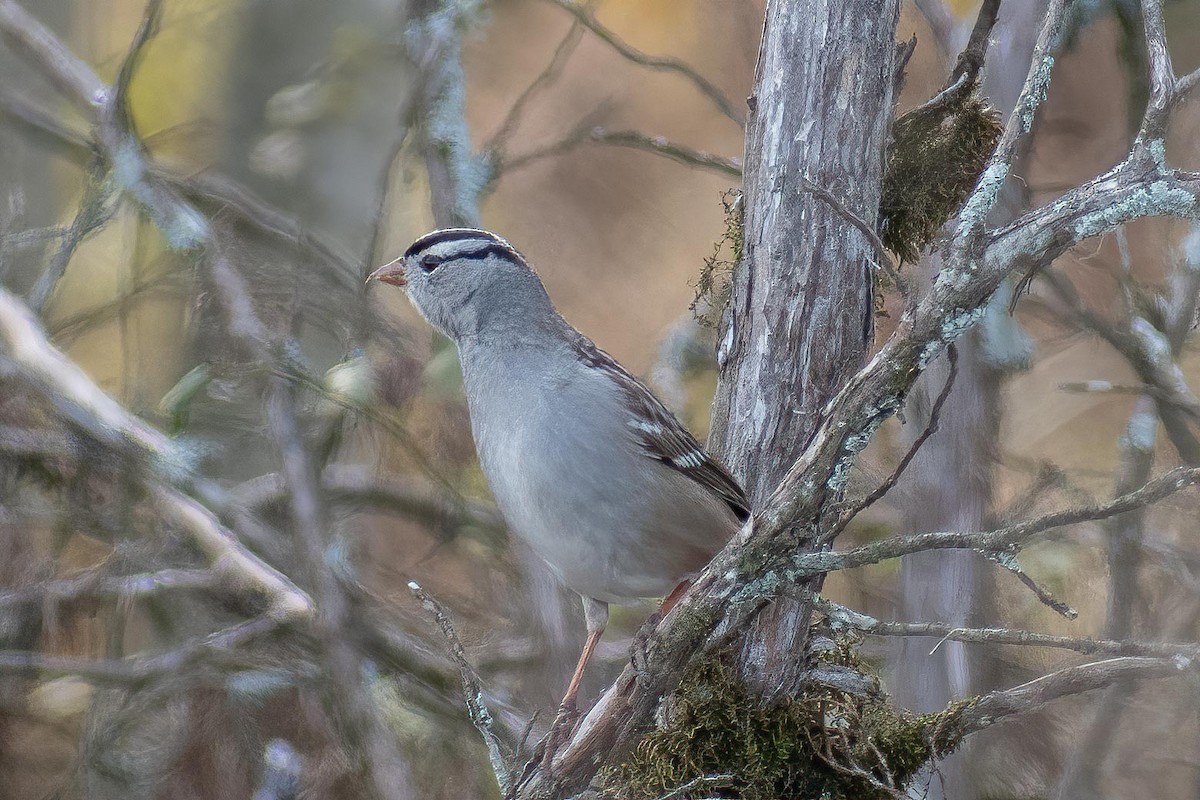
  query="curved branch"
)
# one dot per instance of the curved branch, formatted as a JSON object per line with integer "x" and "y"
{"x": 843, "y": 617}
{"x": 1000, "y": 540}
{"x": 666, "y": 63}
{"x": 996, "y": 706}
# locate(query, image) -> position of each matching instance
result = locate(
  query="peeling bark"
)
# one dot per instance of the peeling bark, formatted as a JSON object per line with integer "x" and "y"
{"x": 801, "y": 316}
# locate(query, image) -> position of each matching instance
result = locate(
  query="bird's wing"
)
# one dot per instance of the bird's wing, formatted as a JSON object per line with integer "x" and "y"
{"x": 660, "y": 434}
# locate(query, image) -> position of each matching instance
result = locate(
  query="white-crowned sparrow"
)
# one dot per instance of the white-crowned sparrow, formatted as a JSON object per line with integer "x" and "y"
{"x": 587, "y": 465}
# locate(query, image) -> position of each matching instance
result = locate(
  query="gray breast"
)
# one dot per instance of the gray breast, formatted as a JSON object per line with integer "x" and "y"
{"x": 563, "y": 462}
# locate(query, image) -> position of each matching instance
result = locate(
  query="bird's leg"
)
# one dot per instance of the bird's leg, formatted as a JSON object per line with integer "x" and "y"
{"x": 595, "y": 613}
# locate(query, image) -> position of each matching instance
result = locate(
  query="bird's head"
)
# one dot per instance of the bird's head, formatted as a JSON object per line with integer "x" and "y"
{"x": 465, "y": 280}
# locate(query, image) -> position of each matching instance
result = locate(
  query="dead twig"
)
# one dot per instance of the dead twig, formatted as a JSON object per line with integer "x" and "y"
{"x": 584, "y": 15}
{"x": 931, "y": 428}
{"x": 473, "y": 693}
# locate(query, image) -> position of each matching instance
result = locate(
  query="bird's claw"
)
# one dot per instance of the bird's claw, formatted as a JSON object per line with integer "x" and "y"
{"x": 560, "y": 730}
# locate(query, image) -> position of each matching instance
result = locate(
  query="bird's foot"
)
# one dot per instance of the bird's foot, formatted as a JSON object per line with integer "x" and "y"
{"x": 560, "y": 730}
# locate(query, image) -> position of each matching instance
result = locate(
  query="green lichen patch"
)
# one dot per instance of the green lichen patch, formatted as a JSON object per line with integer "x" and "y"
{"x": 935, "y": 157}
{"x": 824, "y": 743}
{"x": 714, "y": 284}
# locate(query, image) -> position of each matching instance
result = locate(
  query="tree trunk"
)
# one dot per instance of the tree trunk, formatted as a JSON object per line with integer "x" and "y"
{"x": 801, "y": 315}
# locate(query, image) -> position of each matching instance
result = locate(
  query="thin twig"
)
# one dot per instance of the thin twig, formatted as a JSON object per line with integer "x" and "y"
{"x": 147, "y": 29}
{"x": 1186, "y": 85}
{"x": 935, "y": 414}
{"x": 885, "y": 261}
{"x": 473, "y": 693}
{"x": 688, "y": 789}
{"x": 1149, "y": 352}
{"x": 996, "y": 706}
{"x": 1009, "y": 562}
{"x": 93, "y": 584}
{"x": 137, "y": 669}
{"x": 1000, "y": 540}
{"x": 843, "y": 617}
{"x": 545, "y": 78}
{"x": 95, "y": 210}
{"x": 349, "y": 486}
{"x": 662, "y": 146}
{"x": 666, "y": 63}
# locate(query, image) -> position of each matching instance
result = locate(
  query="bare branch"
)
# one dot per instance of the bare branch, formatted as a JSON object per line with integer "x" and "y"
{"x": 457, "y": 177}
{"x": 931, "y": 428}
{"x": 44, "y": 129}
{"x": 666, "y": 63}
{"x": 545, "y": 78}
{"x": 1020, "y": 122}
{"x": 350, "y": 485}
{"x": 1000, "y": 540}
{"x": 662, "y": 146}
{"x": 232, "y": 197}
{"x": 95, "y": 210}
{"x": 1008, "y": 561}
{"x": 1162, "y": 74}
{"x": 1149, "y": 352}
{"x": 842, "y": 617}
{"x": 1185, "y": 85}
{"x": 138, "y": 669}
{"x": 147, "y": 29}
{"x": 970, "y": 60}
{"x": 996, "y": 706}
{"x": 70, "y": 74}
{"x": 1108, "y": 387}
{"x": 473, "y": 693}
{"x": 94, "y": 584}
{"x": 229, "y": 558}
{"x": 636, "y": 140}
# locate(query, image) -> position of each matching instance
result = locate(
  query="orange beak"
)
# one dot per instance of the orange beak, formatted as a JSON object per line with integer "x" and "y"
{"x": 391, "y": 272}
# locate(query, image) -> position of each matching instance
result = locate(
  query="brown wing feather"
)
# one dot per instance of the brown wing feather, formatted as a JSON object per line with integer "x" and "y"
{"x": 661, "y": 435}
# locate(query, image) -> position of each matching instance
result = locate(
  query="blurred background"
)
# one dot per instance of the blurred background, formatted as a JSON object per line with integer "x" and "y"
{"x": 307, "y": 134}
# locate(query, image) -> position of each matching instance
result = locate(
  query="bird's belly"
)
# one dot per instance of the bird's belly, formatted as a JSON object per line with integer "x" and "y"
{"x": 604, "y": 532}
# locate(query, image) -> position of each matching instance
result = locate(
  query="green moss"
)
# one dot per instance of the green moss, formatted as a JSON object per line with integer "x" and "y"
{"x": 935, "y": 157}
{"x": 714, "y": 284}
{"x": 823, "y": 743}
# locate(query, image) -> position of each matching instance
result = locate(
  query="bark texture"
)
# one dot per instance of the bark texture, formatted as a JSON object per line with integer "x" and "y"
{"x": 800, "y": 318}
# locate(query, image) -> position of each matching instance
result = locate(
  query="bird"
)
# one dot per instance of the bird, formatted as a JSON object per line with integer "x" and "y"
{"x": 587, "y": 466}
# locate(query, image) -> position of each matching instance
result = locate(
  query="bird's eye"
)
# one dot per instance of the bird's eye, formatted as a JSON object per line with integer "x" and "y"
{"x": 430, "y": 262}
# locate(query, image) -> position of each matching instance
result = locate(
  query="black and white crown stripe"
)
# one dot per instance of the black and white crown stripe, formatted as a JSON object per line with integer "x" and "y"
{"x": 474, "y": 243}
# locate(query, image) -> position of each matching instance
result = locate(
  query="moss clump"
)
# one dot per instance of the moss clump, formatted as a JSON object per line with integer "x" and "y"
{"x": 714, "y": 284}
{"x": 824, "y": 743}
{"x": 936, "y": 155}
